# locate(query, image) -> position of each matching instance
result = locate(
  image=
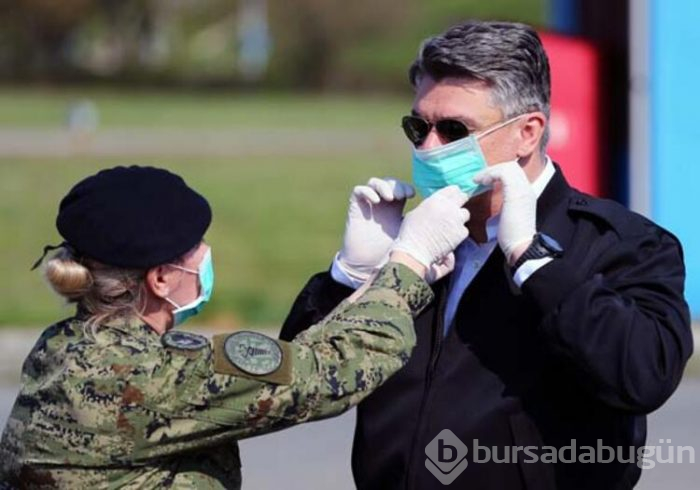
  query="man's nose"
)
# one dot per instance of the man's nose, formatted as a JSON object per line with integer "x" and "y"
{"x": 433, "y": 140}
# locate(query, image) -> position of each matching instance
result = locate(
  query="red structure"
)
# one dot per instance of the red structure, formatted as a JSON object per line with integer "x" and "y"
{"x": 575, "y": 120}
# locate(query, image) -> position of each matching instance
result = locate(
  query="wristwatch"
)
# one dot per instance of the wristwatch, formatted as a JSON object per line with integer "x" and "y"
{"x": 542, "y": 246}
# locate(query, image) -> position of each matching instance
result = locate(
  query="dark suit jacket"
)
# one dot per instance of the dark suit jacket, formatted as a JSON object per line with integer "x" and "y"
{"x": 592, "y": 343}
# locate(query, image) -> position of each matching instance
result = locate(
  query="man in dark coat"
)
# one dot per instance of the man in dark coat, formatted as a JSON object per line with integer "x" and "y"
{"x": 563, "y": 322}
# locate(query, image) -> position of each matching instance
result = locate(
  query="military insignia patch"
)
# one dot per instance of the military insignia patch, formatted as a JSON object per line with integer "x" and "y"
{"x": 177, "y": 339}
{"x": 253, "y": 353}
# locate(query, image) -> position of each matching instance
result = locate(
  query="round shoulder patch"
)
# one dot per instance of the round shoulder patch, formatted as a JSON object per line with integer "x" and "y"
{"x": 253, "y": 353}
{"x": 184, "y": 340}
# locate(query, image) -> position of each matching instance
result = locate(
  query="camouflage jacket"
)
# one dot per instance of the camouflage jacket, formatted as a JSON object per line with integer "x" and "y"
{"x": 123, "y": 407}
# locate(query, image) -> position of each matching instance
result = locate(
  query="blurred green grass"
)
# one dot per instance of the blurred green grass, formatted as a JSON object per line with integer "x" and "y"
{"x": 276, "y": 219}
{"x": 46, "y": 108}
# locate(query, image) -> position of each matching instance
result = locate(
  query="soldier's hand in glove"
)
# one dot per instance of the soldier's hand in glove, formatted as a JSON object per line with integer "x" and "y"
{"x": 434, "y": 229}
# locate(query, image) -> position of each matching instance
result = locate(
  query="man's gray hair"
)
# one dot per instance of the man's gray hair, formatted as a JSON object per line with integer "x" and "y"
{"x": 508, "y": 57}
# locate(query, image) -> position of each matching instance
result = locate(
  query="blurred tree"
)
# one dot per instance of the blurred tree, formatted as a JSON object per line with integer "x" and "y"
{"x": 112, "y": 42}
{"x": 311, "y": 35}
{"x": 33, "y": 34}
{"x": 314, "y": 44}
{"x": 369, "y": 45}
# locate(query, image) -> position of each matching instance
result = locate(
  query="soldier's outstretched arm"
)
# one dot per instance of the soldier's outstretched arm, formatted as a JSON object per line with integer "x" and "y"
{"x": 247, "y": 383}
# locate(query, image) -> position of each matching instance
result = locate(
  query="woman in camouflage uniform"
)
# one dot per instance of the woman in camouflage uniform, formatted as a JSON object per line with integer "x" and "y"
{"x": 113, "y": 397}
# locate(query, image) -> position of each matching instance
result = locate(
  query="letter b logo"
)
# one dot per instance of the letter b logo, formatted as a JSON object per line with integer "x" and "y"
{"x": 446, "y": 452}
{"x": 447, "y": 457}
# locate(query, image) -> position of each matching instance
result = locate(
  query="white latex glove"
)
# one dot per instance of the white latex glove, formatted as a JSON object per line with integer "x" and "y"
{"x": 518, "y": 216}
{"x": 373, "y": 223}
{"x": 435, "y": 228}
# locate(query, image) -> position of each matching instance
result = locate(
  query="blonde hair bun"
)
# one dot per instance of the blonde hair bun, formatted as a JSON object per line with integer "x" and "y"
{"x": 69, "y": 278}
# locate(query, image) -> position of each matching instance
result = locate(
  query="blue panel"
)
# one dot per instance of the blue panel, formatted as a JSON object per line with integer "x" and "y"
{"x": 564, "y": 16}
{"x": 675, "y": 128}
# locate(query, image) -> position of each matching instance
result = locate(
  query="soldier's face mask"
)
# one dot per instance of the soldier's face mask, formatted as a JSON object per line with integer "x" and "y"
{"x": 206, "y": 286}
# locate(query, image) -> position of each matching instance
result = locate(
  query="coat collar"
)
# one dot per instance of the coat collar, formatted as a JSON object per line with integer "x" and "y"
{"x": 553, "y": 217}
{"x": 554, "y": 195}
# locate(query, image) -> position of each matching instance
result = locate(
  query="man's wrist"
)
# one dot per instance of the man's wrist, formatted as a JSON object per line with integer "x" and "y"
{"x": 345, "y": 275}
{"x": 528, "y": 268}
{"x": 541, "y": 245}
{"x": 518, "y": 252}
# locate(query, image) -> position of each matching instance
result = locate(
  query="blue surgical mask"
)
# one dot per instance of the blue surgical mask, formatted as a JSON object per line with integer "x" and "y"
{"x": 206, "y": 286}
{"x": 455, "y": 163}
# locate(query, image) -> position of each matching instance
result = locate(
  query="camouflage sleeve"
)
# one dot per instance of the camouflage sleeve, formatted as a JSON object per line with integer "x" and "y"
{"x": 248, "y": 383}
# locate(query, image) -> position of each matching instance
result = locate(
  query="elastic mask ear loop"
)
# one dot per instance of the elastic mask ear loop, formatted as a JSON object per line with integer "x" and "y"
{"x": 498, "y": 126}
{"x": 191, "y": 271}
{"x": 177, "y": 306}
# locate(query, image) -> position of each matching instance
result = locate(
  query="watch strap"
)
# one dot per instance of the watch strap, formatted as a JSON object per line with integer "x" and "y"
{"x": 536, "y": 250}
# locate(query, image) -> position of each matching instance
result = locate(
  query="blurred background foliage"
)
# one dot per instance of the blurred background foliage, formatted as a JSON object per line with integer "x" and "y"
{"x": 273, "y": 110}
{"x": 310, "y": 44}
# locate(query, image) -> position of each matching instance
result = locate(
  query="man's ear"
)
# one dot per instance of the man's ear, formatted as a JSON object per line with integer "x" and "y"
{"x": 156, "y": 281}
{"x": 531, "y": 132}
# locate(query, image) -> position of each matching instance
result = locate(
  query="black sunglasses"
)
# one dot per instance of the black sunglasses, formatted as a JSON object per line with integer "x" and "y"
{"x": 417, "y": 129}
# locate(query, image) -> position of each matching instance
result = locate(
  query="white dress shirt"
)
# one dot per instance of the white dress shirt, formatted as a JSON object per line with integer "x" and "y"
{"x": 470, "y": 256}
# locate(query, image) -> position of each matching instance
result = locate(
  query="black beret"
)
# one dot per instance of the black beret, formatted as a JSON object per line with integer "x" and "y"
{"x": 133, "y": 217}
